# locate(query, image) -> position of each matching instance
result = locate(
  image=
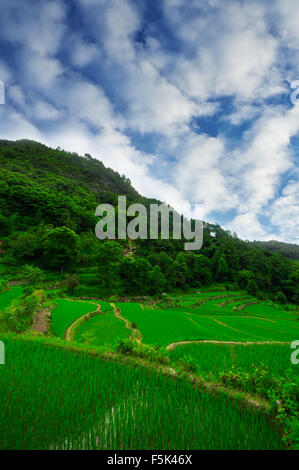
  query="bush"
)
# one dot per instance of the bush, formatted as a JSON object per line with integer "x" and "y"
{"x": 281, "y": 392}
{"x": 18, "y": 317}
{"x": 70, "y": 282}
{"x": 280, "y": 298}
{"x": 252, "y": 288}
{"x": 130, "y": 347}
{"x": 188, "y": 364}
{"x": 4, "y": 285}
{"x": 28, "y": 290}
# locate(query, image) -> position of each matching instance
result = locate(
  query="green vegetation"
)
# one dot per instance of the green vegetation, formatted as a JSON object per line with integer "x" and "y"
{"x": 203, "y": 322}
{"x": 47, "y": 203}
{"x": 74, "y": 401}
{"x": 89, "y": 390}
{"x": 101, "y": 330}
{"x": 7, "y": 297}
{"x": 212, "y": 359}
{"x": 66, "y": 312}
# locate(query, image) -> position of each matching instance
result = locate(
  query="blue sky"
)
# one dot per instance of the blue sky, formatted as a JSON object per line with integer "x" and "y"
{"x": 190, "y": 99}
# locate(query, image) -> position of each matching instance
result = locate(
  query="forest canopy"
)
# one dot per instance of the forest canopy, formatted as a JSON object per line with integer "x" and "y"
{"x": 47, "y": 204}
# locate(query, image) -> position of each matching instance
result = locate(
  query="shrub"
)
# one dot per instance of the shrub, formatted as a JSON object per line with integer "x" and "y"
{"x": 281, "y": 392}
{"x": 130, "y": 347}
{"x": 280, "y": 298}
{"x": 18, "y": 317}
{"x": 4, "y": 285}
{"x": 187, "y": 363}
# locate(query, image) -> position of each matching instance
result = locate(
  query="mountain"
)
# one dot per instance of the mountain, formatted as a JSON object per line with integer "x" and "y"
{"x": 289, "y": 250}
{"x": 47, "y": 204}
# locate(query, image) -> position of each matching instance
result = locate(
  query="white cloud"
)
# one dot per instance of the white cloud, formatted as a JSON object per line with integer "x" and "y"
{"x": 268, "y": 156}
{"x": 41, "y": 71}
{"x": 83, "y": 53}
{"x": 38, "y": 26}
{"x": 44, "y": 111}
{"x": 198, "y": 175}
{"x": 248, "y": 227}
{"x": 285, "y": 213}
{"x": 233, "y": 53}
{"x": 14, "y": 126}
{"x": 218, "y": 49}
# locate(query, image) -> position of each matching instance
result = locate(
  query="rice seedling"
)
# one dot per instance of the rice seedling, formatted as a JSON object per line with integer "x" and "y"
{"x": 54, "y": 398}
{"x": 7, "y": 297}
{"x": 163, "y": 327}
{"x": 211, "y": 358}
{"x": 66, "y": 312}
{"x": 102, "y": 329}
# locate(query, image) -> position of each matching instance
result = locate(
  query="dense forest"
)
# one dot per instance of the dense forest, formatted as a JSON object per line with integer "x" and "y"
{"x": 290, "y": 250}
{"x": 47, "y": 204}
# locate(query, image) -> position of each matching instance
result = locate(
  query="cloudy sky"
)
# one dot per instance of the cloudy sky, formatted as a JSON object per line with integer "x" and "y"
{"x": 190, "y": 99}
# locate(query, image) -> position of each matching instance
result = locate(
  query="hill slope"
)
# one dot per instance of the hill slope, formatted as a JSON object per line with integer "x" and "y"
{"x": 47, "y": 203}
{"x": 289, "y": 250}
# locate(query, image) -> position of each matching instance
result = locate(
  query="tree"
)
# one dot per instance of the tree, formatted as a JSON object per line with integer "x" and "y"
{"x": 4, "y": 226}
{"x": 134, "y": 274}
{"x": 222, "y": 271}
{"x": 71, "y": 282}
{"x": 280, "y": 298}
{"x": 108, "y": 263}
{"x": 252, "y": 288}
{"x": 180, "y": 270}
{"x": 157, "y": 280}
{"x": 243, "y": 277}
{"x": 32, "y": 275}
{"x": 60, "y": 248}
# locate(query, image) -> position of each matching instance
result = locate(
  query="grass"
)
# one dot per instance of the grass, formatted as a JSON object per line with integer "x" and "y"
{"x": 57, "y": 399}
{"x": 66, "y": 312}
{"x": 7, "y": 297}
{"x": 102, "y": 330}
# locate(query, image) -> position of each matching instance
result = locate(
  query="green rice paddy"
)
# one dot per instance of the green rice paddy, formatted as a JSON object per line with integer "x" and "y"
{"x": 211, "y": 321}
{"x": 59, "y": 398}
{"x": 54, "y": 398}
{"x": 7, "y": 297}
{"x": 66, "y": 312}
{"x": 102, "y": 330}
{"x": 211, "y": 359}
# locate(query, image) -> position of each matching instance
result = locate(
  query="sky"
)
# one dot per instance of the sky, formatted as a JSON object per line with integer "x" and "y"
{"x": 194, "y": 100}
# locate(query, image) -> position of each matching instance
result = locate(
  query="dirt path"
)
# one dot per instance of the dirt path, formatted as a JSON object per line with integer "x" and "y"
{"x": 136, "y": 334}
{"x": 172, "y": 346}
{"x": 68, "y": 336}
{"x": 40, "y": 321}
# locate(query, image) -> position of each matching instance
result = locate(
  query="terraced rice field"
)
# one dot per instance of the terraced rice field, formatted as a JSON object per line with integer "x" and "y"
{"x": 214, "y": 358}
{"x": 58, "y": 399}
{"x": 102, "y": 329}
{"x": 7, "y": 297}
{"x": 211, "y": 321}
{"x": 66, "y": 312}
{"x": 268, "y": 310}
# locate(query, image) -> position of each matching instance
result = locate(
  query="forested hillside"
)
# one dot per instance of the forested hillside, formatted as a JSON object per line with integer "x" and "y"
{"x": 47, "y": 203}
{"x": 289, "y": 250}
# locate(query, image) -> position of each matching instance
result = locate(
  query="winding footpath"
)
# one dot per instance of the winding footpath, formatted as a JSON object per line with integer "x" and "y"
{"x": 136, "y": 334}
{"x": 172, "y": 346}
{"x": 97, "y": 311}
